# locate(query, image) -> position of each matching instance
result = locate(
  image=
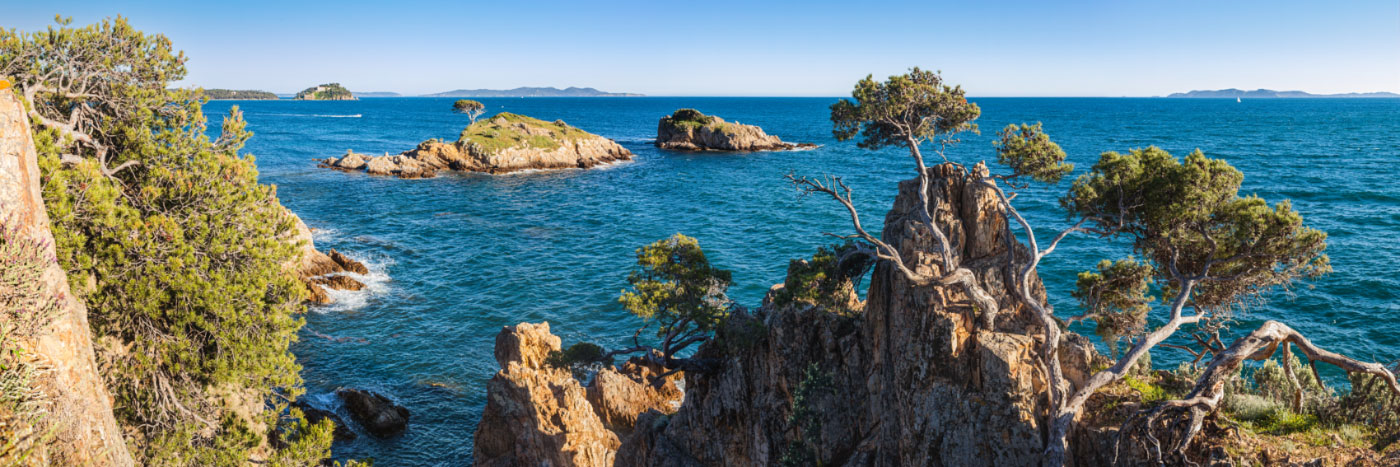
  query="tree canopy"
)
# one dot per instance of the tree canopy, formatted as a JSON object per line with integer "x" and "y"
{"x": 471, "y": 108}
{"x": 905, "y": 110}
{"x": 676, "y": 288}
{"x": 1188, "y": 218}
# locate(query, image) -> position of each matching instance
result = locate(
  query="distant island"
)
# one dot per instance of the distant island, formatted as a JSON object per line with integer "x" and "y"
{"x": 1272, "y": 94}
{"x": 326, "y": 92}
{"x": 532, "y": 92}
{"x": 378, "y": 94}
{"x": 231, "y": 94}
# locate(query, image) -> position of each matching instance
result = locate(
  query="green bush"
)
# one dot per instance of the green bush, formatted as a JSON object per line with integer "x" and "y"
{"x": 822, "y": 280}
{"x": 179, "y": 258}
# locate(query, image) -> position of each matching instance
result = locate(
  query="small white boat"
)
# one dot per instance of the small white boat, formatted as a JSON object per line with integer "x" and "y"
{"x": 1237, "y": 98}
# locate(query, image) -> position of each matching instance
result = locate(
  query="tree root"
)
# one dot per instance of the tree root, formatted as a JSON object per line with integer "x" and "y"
{"x": 1179, "y": 421}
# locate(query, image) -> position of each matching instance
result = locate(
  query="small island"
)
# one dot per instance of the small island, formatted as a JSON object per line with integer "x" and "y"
{"x": 326, "y": 92}
{"x": 690, "y": 130}
{"x": 502, "y": 144}
{"x": 234, "y": 94}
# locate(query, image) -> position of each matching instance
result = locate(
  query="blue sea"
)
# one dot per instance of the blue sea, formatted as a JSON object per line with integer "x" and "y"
{"x": 454, "y": 258}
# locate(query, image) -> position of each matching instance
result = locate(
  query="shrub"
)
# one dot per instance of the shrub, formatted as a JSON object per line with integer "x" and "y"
{"x": 179, "y": 257}
{"x": 25, "y": 310}
{"x": 824, "y": 280}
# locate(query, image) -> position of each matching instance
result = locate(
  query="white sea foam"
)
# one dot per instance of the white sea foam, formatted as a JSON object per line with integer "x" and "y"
{"x": 377, "y": 284}
{"x": 320, "y": 235}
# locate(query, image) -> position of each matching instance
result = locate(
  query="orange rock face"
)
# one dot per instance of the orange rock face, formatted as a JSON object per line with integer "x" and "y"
{"x": 539, "y": 415}
{"x": 85, "y": 431}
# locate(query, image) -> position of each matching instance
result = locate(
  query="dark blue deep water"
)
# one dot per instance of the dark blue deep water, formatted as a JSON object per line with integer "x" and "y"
{"x": 454, "y": 258}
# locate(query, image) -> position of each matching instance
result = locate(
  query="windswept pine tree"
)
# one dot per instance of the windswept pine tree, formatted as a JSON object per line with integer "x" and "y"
{"x": 1210, "y": 250}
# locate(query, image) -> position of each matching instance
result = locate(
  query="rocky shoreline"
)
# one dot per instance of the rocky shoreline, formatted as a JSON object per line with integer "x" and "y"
{"x": 690, "y": 130}
{"x": 320, "y": 271}
{"x": 502, "y": 144}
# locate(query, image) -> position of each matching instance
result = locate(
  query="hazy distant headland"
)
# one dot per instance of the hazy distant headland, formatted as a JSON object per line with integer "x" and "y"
{"x": 532, "y": 92}
{"x": 222, "y": 94}
{"x": 378, "y": 94}
{"x": 1271, "y": 94}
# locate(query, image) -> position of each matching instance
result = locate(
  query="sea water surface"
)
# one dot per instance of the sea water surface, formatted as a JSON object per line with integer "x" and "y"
{"x": 454, "y": 258}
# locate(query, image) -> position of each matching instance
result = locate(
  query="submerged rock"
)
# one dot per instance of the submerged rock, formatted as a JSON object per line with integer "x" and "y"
{"x": 502, "y": 144}
{"x": 690, "y": 130}
{"x": 377, "y": 414}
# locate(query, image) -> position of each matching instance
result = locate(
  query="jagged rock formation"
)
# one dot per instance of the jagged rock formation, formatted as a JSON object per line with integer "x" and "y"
{"x": 323, "y": 270}
{"x": 80, "y": 409}
{"x": 540, "y": 415}
{"x": 912, "y": 380}
{"x": 909, "y": 378}
{"x": 690, "y": 130}
{"x": 505, "y": 143}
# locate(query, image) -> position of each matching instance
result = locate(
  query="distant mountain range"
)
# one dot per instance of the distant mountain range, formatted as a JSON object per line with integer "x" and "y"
{"x": 1272, "y": 94}
{"x": 532, "y": 92}
{"x": 378, "y": 94}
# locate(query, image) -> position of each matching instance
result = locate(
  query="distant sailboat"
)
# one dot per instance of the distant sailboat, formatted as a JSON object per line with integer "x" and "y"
{"x": 1237, "y": 98}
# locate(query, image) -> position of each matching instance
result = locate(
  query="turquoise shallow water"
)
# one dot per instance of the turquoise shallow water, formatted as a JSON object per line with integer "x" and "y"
{"x": 455, "y": 258}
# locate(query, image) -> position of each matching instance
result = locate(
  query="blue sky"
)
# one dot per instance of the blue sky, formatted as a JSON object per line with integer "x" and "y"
{"x": 738, "y": 48}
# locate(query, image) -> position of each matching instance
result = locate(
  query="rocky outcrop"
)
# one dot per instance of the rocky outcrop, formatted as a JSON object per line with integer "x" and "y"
{"x": 502, "y": 144}
{"x": 540, "y": 415}
{"x": 377, "y": 414}
{"x": 319, "y": 271}
{"x": 690, "y": 130}
{"x": 906, "y": 378}
{"x": 84, "y": 431}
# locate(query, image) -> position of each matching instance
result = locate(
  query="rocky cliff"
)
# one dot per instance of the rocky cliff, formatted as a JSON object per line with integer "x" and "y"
{"x": 502, "y": 144}
{"x": 79, "y": 409}
{"x": 908, "y": 378}
{"x": 690, "y": 130}
{"x": 540, "y": 415}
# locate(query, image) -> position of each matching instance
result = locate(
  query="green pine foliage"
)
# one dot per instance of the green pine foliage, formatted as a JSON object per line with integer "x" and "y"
{"x": 822, "y": 280}
{"x": 1116, "y": 298}
{"x": 675, "y": 287}
{"x": 1028, "y": 151}
{"x": 180, "y": 259}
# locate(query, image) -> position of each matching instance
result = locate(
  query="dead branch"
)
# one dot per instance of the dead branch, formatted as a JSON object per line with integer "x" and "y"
{"x": 1181, "y": 419}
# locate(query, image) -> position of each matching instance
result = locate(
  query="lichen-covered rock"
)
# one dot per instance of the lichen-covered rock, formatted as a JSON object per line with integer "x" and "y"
{"x": 690, "y": 130}
{"x": 502, "y": 144}
{"x": 79, "y": 428}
